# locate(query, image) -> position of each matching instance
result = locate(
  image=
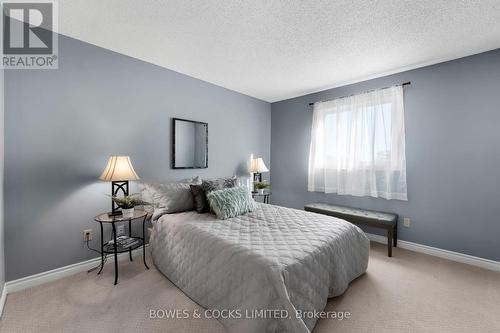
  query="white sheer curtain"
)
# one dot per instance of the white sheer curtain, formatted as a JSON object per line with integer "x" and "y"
{"x": 358, "y": 145}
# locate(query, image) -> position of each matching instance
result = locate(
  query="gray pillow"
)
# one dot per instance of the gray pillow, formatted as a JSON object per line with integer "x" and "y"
{"x": 168, "y": 198}
{"x": 147, "y": 189}
{"x": 231, "y": 202}
{"x": 199, "y": 198}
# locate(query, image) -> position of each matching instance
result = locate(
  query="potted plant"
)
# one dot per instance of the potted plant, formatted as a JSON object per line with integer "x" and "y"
{"x": 261, "y": 186}
{"x": 127, "y": 204}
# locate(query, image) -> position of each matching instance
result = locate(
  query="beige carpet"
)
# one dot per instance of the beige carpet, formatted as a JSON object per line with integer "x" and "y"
{"x": 410, "y": 292}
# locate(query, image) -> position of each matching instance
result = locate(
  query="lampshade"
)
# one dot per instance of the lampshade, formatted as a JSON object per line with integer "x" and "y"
{"x": 119, "y": 168}
{"x": 257, "y": 166}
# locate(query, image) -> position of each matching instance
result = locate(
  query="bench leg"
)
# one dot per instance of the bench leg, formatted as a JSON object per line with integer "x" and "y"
{"x": 389, "y": 242}
{"x": 395, "y": 236}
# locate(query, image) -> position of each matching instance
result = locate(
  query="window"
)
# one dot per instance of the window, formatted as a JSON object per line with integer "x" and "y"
{"x": 358, "y": 145}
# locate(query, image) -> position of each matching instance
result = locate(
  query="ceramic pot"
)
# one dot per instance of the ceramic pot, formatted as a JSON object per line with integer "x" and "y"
{"x": 128, "y": 212}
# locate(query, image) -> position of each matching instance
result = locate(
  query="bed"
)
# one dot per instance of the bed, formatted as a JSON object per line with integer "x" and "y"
{"x": 273, "y": 267}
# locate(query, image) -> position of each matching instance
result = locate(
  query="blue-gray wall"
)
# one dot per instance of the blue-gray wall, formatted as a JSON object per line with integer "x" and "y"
{"x": 452, "y": 149}
{"x": 61, "y": 125}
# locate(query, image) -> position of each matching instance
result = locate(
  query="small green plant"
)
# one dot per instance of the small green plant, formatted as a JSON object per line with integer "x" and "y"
{"x": 261, "y": 185}
{"x": 129, "y": 201}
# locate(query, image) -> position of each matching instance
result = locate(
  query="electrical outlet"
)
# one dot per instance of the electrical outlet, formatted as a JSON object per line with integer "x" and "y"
{"x": 120, "y": 230}
{"x": 87, "y": 235}
{"x": 407, "y": 222}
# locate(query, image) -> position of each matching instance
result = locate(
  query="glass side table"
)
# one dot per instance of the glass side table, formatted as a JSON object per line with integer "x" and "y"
{"x": 265, "y": 196}
{"x": 115, "y": 248}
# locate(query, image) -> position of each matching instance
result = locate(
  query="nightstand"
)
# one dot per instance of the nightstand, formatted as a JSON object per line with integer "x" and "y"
{"x": 265, "y": 196}
{"x": 115, "y": 248}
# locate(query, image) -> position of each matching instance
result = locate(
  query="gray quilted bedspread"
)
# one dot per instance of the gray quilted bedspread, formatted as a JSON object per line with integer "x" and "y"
{"x": 274, "y": 258}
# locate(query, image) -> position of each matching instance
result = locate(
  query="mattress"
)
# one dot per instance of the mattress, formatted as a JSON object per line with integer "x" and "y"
{"x": 268, "y": 270}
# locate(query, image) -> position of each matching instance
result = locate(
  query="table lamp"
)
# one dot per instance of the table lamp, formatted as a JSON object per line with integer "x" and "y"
{"x": 257, "y": 166}
{"x": 119, "y": 171}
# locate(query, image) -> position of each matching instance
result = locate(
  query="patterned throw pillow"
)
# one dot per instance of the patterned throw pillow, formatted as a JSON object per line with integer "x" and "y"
{"x": 200, "y": 192}
{"x": 210, "y": 185}
{"x": 231, "y": 202}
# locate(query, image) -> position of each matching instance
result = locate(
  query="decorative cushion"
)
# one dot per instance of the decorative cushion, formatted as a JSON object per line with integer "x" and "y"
{"x": 231, "y": 202}
{"x": 210, "y": 185}
{"x": 147, "y": 189}
{"x": 168, "y": 198}
{"x": 199, "y": 198}
{"x": 200, "y": 192}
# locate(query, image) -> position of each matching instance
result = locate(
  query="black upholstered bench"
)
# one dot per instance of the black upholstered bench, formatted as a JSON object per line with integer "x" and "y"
{"x": 387, "y": 221}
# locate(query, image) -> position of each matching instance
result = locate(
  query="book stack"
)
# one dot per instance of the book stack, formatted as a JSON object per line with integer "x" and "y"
{"x": 125, "y": 242}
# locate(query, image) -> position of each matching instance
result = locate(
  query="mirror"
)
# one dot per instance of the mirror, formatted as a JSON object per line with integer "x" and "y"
{"x": 189, "y": 144}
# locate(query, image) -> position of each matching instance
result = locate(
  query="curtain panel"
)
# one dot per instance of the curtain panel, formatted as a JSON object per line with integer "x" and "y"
{"x": 358, "y": 145}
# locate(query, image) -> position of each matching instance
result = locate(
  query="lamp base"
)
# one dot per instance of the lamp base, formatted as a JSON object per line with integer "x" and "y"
{"x": 116, "y": 187}
{"x": 257, "y": 177}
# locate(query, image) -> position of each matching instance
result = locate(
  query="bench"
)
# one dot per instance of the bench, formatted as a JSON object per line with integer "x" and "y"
{"x": 387, "y": 221}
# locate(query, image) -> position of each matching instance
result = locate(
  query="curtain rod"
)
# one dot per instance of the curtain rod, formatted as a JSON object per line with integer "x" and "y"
{"x": 364, "y": 92}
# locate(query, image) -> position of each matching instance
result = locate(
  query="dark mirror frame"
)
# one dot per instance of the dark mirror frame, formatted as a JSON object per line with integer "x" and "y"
{"x": 173, "y": 143}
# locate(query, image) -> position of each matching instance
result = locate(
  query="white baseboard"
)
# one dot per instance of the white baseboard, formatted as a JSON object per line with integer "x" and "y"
{"x": 445, "y": 254}
{"x": 3, "y": 298}
{"x": 58, "y": 273}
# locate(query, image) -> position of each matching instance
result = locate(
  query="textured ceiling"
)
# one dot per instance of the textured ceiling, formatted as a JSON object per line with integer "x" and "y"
{"x": 275, "y": 50}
